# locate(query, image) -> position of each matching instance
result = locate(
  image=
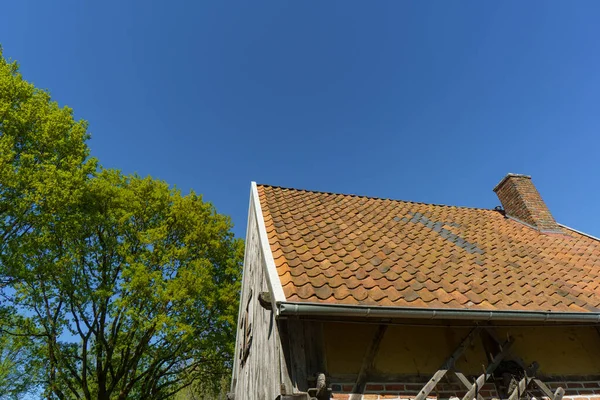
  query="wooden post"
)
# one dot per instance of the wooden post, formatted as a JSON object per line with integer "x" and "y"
{"x": 315, "y": 351}
{"x": 298, "y": 355}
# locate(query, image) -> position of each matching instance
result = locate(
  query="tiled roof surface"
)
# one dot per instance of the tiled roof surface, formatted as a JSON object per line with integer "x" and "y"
{"x": 334, "y": 248}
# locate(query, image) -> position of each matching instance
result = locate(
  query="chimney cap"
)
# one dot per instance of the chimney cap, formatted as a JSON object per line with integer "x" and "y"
{"x": 510, "y": 175}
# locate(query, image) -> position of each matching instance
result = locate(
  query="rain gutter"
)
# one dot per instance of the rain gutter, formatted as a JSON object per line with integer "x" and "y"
{"x": 288, "y": 309}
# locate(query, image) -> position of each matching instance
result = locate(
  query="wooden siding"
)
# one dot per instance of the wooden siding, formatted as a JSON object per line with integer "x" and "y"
{"x": 260, "y": 376}
{"x": 303, "y": 347}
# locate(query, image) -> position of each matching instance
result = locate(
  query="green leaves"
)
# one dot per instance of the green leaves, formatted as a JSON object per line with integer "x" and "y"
{"x": 128, "y": 287}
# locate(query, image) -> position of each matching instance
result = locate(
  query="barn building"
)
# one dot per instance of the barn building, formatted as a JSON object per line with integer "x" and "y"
{"x": 352, "y": 297}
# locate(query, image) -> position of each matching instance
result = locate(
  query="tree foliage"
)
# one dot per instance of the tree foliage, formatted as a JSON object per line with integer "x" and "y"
{"x": 18, "y": 365}
{"x": 124, "y": 287}
{"x": 43, "y": 155}
{"x": 43, "y": 159}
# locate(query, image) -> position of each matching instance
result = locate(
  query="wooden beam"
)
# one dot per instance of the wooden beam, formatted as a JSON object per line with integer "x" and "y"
{"x": 285, "y": 358}
{"x": 315, "y": 348}
{"x": 463, "y": 379}
{"x": 298, "y": 355}
{"x": 466, "y": 383}
{"x": 480, "y": 381}
{"x": 520, "y": 389}
{"x": 493, "y": 335}
{"x": 431, "y": 384}
{"x": 367, "y": 364}
{"x": 448, "y": 364}
{"x": 496, "y": 340}
{"x": 545, "y": 389}
{"x": 557, "y": 395}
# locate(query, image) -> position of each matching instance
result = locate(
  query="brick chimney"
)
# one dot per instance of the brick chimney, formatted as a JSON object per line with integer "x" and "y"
{"x": 522, "y": 201}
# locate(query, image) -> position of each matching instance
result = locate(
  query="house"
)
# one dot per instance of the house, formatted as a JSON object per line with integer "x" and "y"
{"x": 352, "y": 297}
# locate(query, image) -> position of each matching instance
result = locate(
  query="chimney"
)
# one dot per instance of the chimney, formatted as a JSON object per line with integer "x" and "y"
{"x": 522, "y": 201}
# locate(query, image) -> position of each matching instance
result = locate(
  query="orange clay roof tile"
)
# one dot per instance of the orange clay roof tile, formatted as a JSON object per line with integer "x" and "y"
{"x": 335, "y": 248}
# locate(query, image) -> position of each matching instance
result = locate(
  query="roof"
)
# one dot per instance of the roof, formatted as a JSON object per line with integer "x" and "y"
{"x": 345, "y": 249}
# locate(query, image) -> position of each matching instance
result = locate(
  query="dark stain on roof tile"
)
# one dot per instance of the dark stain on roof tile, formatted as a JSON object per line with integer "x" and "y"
{"x": 443, "y": 232}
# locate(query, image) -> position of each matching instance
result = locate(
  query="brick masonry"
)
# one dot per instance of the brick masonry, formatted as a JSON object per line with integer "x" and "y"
{"x": 580, "y": 390}
{"x": 521, "y": 200}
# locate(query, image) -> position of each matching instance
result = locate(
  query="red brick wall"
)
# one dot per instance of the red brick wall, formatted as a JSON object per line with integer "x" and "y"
{"x": 581, "y": 390}
{"x": 521, "y": 200}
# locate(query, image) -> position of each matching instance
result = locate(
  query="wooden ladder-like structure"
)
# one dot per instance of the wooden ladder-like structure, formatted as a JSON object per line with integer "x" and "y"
{"x": 473, "y": 387}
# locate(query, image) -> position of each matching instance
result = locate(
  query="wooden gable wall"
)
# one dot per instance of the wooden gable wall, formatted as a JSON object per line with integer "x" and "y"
{"x": 259, "y": 365}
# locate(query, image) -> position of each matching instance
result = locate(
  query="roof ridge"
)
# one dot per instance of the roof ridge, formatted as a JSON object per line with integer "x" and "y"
{"x": 374, "y": 197}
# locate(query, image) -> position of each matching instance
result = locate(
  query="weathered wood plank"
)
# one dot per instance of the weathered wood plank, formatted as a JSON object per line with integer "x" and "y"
{"x": 315, "y": 348}
{"x": 466, "y": 383}
{"x": 520, "y": 389}
{"x": 298, "y": 355}
{"x": 493, "y": 335}
{"x": 260, "y": 375}
{"x": 545, "y": 389}
{"x": 462, "y": 347}
{"x": 285, "y": 358}
{"x": 558, "y": 395}
{"x": 480, "y": 381}
{"x": 369, "y": 357}
{"x": 448, "y": 364}
{"x": 431, "y": 384}
{"x": 463, "y": 379}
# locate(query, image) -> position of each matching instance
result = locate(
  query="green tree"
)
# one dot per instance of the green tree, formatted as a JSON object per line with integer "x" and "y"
{"x": 43, "y": 155}
{"x": 125, "y": 287}
{"x": 18, "y": 369}
{"x": 43, "y": 160}
{"x": 144, "y": 278}
{"x": 200, "y": 391}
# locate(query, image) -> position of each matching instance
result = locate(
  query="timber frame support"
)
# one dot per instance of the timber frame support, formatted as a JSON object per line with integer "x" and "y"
{"x": 448, "y": 364}
{"x": 367, "y": 364}
{"x": 473, "y": 388}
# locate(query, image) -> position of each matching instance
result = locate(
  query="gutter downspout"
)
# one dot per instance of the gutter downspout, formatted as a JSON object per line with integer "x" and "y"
{"x": 334, "y": 310}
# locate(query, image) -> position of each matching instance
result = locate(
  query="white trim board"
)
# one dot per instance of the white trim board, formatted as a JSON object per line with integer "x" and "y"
{"x": 272, "y": 275}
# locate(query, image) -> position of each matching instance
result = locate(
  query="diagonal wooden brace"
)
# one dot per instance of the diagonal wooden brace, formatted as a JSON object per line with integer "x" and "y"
{"x": 544, "y": 388}
{"x": 466, "y": 383}
{"x": 557, "y": 395}
{"x": 521, "y": 387}
{"x": 359, "y": 385}
{"x": 480, "y": 381}
{"x": 448, "y": 364}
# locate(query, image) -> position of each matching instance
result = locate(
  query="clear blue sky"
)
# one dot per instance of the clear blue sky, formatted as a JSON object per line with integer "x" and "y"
{"x": 428, "y": 101}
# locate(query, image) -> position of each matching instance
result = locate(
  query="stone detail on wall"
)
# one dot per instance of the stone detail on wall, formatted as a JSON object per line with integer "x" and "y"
{"x": 580, "y": 390}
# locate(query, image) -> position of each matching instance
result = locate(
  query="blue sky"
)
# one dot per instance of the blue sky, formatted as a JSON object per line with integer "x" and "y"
{"x": 426, "y": 101}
